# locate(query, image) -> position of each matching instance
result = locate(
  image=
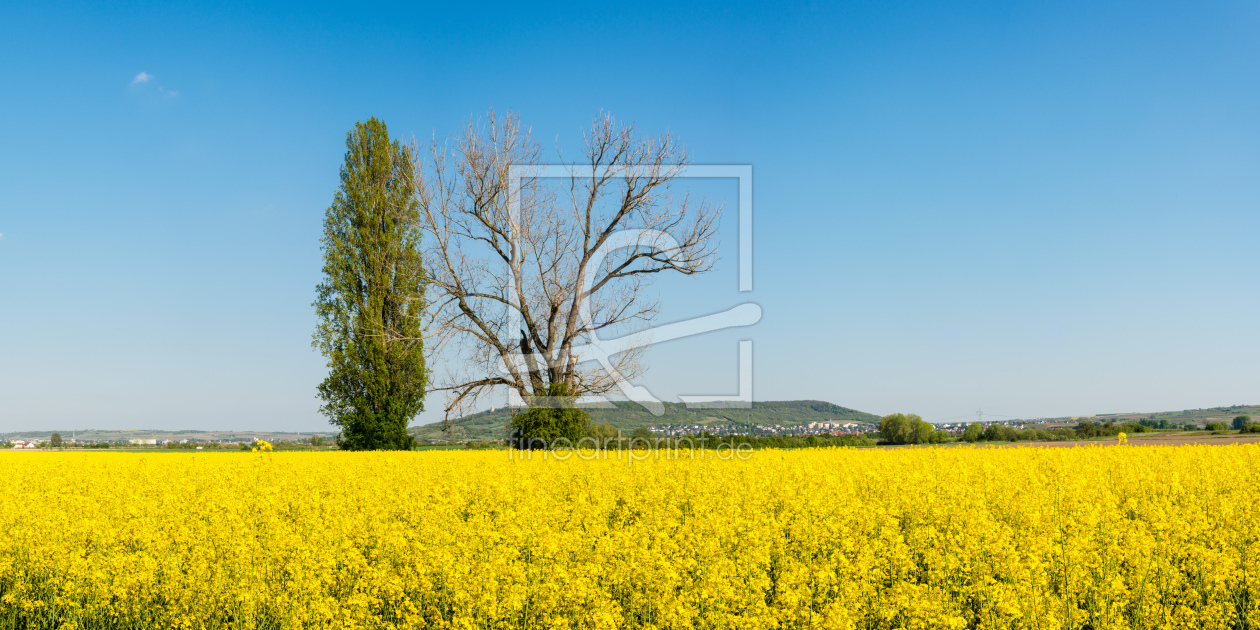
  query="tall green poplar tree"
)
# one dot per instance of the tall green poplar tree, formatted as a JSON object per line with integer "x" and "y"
{"x": 370, "y": 301}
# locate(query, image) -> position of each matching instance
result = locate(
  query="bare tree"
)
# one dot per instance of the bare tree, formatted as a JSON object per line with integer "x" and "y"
{"x": 526, "y": 268}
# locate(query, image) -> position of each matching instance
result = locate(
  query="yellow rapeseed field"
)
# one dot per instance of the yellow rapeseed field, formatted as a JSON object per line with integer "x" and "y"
{"x": 1093, "y": 537}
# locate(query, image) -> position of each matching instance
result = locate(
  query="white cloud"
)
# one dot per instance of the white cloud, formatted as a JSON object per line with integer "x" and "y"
{"x": 140, "y": 84}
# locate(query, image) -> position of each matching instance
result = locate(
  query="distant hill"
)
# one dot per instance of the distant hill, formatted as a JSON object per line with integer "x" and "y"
{"x": 1199, "y": 416}
{"x": 628, "y": 416}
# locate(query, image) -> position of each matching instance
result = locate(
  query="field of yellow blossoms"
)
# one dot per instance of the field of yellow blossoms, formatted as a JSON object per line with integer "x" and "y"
{"x": 1087, "y": 537}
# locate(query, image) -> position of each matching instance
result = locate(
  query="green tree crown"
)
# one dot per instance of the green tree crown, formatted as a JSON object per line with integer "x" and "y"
{"x": 372, "y": 296}
{"x": 550, "y": 418}
{"x": 973, "y": 432}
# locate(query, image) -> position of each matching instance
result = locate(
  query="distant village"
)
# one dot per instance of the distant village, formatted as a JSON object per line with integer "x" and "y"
{"x": 47, "y": 443}
{"x": 234, "y": 442}
{"x": 812, "y": 428}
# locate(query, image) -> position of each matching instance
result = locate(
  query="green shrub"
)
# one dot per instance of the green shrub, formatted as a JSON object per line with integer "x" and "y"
{"x": 900, "y": 428}
{"x": 973, "y": 432}
{"x": 1000, "y": 433}
{"x": 1063, "y": 435}
{"x": 549, "y": 419}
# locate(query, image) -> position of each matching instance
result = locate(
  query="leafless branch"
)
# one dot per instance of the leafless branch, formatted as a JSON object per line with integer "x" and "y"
{"x": 554, "y": 263}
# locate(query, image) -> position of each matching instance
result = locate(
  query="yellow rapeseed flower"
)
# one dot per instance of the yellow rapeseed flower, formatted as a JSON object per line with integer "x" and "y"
{"x": 1087, "y": 537}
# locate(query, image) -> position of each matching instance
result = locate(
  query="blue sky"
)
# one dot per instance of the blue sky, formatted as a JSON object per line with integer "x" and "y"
{"x": 1039, "y": 208}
